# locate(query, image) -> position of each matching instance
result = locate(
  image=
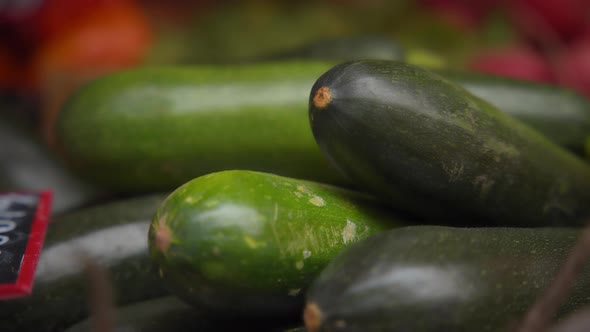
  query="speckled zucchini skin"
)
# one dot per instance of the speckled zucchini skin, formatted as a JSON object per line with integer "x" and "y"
{"x": 115, "y": 234}
{"x": 156, "y": 128}
{"x": 558, "y": 113}
{"x": 244, "y": 243}
{"x": 434, "y": 278}
{"x": 428, "y": 146}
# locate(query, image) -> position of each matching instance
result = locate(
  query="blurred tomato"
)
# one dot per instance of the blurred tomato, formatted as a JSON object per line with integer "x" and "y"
{"x": 56, "y": 17}
{"x": 113, "y": 36}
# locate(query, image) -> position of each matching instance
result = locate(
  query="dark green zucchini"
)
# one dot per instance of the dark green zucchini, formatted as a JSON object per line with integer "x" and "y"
{"x": 428, "y": 146}
{"x": 558, "y": 113}
{"x": 27, "y": 165}
{"x": 432, "y": 278}
{"x": 244, "y": 243}
{"x": 171, "y": 314}
{"x": 115, "y": 235}
{"x": 157, "y": 128}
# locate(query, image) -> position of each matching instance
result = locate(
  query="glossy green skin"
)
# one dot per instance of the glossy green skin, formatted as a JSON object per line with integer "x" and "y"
{"x": 157, "y": 128}
{"x": 115, "y": 234}
{"x": 171, "y": 314}
{"x": 434, "y": 278}
{"x": 248, "y": 243}
{"x": 27, "y": 165}
{"x": 560, "y": 114}
{"x": 416, "y": 140}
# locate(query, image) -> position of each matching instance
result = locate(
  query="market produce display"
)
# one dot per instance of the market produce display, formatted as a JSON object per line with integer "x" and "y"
{"x": 335, "y": 166}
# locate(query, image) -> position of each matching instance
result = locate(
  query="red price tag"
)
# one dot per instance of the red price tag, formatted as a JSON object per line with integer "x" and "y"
{"x": 24, "y": 217}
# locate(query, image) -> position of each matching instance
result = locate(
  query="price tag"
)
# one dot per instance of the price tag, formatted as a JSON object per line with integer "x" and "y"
{"x": 24, "y": 217}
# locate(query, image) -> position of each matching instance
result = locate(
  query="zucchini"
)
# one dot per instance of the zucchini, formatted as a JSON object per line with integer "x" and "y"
{"x": 435, "y": 278}
{"x": 558, "y": 113}
{"x": 245, "y": 243}
{"x": 27, "y": 165}
{"x": 417, "y": 140}
{"x": 157, "y": 128}
{"x": 115, "y": 234}
{"x": 171, "y": 314}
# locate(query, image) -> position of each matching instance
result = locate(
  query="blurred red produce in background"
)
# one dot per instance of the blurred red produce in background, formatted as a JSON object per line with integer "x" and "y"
{"x": 465, "y": 14}
{"x": 518, "y": 62}
{"x": 9, "y": 69}
{"x": 36, "y": 21}
{"x": 80, "y": 41}
{"x": 573, "y": 66}
{"x": 110, "y": 36}
{"x": 550, "y": 20}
